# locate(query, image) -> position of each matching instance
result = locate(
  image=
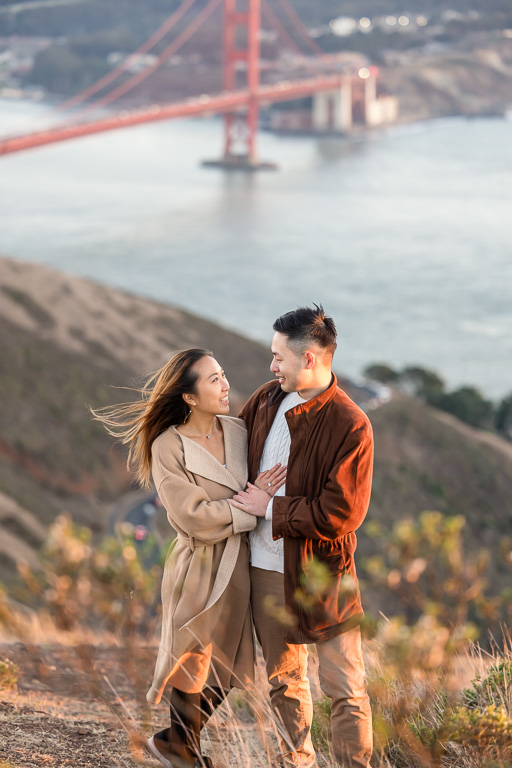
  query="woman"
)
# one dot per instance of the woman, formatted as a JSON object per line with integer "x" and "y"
{"x": 179, "y": 433}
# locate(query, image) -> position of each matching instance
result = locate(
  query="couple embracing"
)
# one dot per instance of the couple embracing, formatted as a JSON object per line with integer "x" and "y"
{"x": 265, "y": 507}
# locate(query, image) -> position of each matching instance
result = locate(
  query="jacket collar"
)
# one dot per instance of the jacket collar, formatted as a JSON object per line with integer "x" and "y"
{"x": 200, "y": 462}
{"x": 309, "y": 407}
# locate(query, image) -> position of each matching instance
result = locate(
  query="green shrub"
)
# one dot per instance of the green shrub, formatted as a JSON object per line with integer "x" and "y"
{"x": 419, "y": 720}
{"x": 108, "y": 587}
{"x": 489, "y": 728}
{"x": 321, "y": 725}
{"x": 425, "y": 726}
{"x": 494, "y": 690}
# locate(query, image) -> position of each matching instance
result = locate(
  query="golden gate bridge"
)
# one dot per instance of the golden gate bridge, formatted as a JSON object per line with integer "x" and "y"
{"x": 239, "y": 102}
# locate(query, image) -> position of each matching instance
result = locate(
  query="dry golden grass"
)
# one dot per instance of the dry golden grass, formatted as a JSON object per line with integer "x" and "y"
{"x": 84, "y": 705}
{"x": 80, "y": 701}
{"x": 86, "y": 650}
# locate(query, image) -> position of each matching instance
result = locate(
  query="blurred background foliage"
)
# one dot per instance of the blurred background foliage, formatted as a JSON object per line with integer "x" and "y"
{"x": 465, "y": 403}
{"x": 439, "y": 665}
{"x": 109, "y": 588}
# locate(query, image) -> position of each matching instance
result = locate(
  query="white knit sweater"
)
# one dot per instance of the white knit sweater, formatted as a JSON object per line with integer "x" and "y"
{"x": 265, "y": 552}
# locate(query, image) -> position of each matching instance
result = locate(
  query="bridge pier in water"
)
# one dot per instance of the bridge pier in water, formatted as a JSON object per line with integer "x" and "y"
{"x": 332, "y": 110}
{"x": 242, "y": 22}
{"x": 354, "y": 104}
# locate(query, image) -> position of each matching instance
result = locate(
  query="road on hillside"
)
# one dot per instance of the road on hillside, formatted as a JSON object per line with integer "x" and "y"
{"x": 139, "y": 512}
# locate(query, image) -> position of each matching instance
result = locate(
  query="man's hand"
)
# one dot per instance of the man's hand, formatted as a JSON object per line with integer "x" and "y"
{"x": 253, "y": 500}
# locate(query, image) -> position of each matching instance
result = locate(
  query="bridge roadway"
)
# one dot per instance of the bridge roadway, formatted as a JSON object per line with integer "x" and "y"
{"x": 226, "y": 101}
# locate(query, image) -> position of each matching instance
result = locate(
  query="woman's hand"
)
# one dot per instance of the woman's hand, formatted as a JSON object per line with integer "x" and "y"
{"x": 255, "y": 498}
{"x": 254, "y": 501}
{"x": 271, "y": 480}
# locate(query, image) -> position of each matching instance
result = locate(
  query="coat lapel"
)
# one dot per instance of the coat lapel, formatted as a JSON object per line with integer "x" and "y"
{"x": 200, "y": 462}
{"x": 235, "y": 446}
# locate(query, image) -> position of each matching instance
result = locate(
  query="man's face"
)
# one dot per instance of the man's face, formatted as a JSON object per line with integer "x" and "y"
{"x": 286, "y": 364}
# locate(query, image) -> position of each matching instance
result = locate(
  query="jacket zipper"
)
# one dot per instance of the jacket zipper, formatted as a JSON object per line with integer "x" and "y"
{"x": 303, "y": 461}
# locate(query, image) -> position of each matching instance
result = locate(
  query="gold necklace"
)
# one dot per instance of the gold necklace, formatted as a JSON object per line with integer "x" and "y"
{"x": 200, "y": 434}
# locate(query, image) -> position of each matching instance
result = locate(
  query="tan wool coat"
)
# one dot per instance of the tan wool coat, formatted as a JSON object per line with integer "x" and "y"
{"x": 206, "y": 624}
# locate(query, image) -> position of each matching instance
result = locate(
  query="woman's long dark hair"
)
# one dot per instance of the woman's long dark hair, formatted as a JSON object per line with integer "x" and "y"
{"x": 161, "y": 405}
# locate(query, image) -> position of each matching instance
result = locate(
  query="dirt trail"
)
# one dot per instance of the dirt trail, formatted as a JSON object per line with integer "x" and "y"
{"x": 85, "y": 708}
{"x": 61, "y": 715}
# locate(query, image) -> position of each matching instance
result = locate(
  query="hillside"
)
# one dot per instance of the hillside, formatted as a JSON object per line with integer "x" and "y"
{"x": 457, "y": 64}
{"x": 64, "y": 344}
{"x": 64, "y": 341}
{"x": 426, "y": 459}
{"x": 126, "y": 21}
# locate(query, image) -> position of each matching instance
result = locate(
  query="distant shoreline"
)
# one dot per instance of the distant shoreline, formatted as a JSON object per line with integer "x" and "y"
{"x": 53, "y": 101}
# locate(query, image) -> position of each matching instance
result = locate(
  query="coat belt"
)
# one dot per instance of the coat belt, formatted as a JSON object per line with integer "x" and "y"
{"x": 193, "y": 542}
{"x": 225, "y": 569}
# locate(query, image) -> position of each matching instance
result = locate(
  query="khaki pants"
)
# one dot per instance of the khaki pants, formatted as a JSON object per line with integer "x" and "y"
{"x": 341, "y": 674}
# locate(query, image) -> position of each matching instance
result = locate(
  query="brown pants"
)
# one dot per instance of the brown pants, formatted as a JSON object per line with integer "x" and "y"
{"x": 341, "y": 674}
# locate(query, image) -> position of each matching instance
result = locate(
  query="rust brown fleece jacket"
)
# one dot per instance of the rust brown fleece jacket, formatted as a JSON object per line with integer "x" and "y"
{"x": 328, "y": 487}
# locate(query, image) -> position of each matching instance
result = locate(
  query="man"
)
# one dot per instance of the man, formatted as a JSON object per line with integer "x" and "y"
{"x": 303, "y": 578}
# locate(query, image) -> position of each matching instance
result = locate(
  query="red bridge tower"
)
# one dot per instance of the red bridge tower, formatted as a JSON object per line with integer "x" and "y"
{"x": 241, "y": 60}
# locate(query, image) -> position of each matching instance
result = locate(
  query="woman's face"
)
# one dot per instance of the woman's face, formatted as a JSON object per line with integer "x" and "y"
{"x": 212, "y": 387}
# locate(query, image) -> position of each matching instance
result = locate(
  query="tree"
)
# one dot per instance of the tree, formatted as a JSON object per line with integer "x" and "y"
{"x": 468, "y": 405}
{"x": 503, "y": 417}
{"x": 424, "y": 383}
{"x": 381, "y": 372}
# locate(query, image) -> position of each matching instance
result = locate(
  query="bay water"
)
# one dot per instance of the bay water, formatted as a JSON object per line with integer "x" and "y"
{"x": 404, "y": 235}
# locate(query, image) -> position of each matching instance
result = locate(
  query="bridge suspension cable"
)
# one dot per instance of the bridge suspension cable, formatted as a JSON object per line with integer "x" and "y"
{"x": 303, "y": 31}
{"x": 150, "y": 43}
{"x": 271, "y": 18}
{"x": 171, "y": 49}
{"x": 300, "y": 26}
